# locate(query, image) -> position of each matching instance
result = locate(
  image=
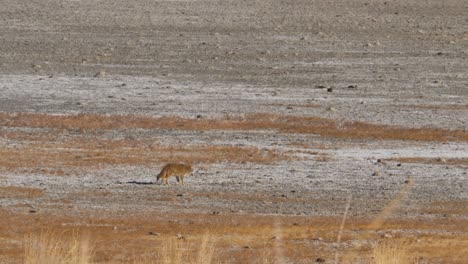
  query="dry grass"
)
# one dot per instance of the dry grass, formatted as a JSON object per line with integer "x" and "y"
{"x": 50, "y": 247}
{"x": 286, "y": 124}
{"x": 19, "y": 192}
{"x": 243, "y": 238}
{"x": 392, "y": 252}
{"x": 91, "y": 153}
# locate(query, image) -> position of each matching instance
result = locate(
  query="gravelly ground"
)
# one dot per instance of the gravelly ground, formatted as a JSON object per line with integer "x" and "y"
{"x": 400, "y": 63}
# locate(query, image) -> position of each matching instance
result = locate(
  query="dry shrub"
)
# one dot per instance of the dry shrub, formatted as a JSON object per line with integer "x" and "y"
{"x": 286, "y": 124}
{"x": 49, "y": 247}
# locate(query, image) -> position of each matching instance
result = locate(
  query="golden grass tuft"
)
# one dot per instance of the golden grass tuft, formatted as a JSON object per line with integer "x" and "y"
{"x": 198, "y": 251}
{"x": 49, "y": 247}
{"x": 392, "y": 252}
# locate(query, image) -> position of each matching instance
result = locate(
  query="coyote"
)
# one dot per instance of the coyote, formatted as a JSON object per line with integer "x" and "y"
{"x": 174, "y": 169}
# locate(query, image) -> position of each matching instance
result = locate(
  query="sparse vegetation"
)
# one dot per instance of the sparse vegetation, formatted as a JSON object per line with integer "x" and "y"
{"x": 285, "y": 124}
{"x": 115, "y": 152}
{"x": 392, "y": 252}
{"x": 49, "y": 247}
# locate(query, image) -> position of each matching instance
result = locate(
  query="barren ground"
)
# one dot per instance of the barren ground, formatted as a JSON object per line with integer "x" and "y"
{"x": 287, "y": 109}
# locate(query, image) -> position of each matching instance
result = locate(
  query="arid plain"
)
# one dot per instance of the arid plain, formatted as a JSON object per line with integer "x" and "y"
{"x": 318, "y": 130}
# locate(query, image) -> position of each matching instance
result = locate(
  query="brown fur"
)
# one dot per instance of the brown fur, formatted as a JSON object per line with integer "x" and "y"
{"x": 174, "y": 169}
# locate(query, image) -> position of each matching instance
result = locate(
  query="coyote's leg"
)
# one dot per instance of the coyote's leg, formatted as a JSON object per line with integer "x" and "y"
{"x": 182, "y": 179}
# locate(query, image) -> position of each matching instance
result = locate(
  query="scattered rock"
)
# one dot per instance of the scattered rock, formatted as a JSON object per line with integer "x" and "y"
{"x": 442, "y": 160}
{"x": 320, "y": 260}
{"x": 440, "y": 53}
{"x": 100, "y": 74}
{"x": 215, "y": 212}
{"x": 154, "y": 233}
{"x": 321, "y": 86}
{"x": 199, "y": 116}
{"x": 377, "y": 174}
{"x": 399, "y": 165}
{"x": 179, "y": 236}
{"x": 179, "y": 195}
{"x": 289, "y": 107}
{"x": 331, "y": 109}
{"x": 353, "y": 86}
{"x": 330, "y": 89}
{"x": 246, "y": 247}
{"x": 32, "y": 210}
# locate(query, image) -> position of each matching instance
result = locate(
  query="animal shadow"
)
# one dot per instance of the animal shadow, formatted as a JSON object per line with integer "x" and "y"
{"x": 140, "y": 183}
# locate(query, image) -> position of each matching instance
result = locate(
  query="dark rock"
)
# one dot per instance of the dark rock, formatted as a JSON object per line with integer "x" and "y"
{"x": 100, "y": 74}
